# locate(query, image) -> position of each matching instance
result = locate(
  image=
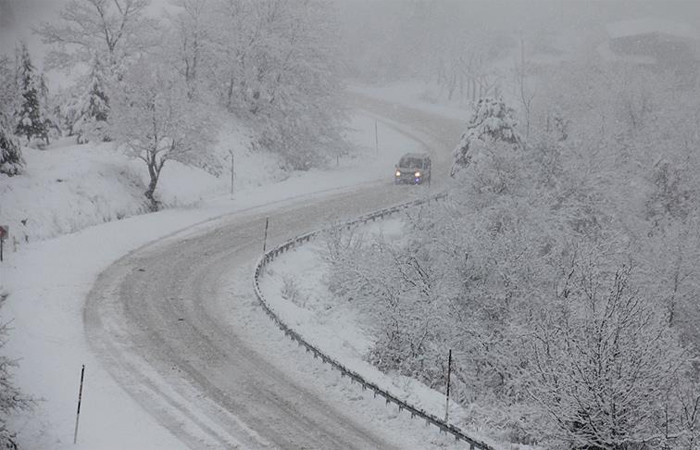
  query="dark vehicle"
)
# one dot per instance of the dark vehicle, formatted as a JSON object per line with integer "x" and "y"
{"x": 413, "y": 168}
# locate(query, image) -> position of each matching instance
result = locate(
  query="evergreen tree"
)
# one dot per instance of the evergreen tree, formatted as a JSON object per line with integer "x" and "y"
{"x": 11, "y": 161}
{"x": 45, "y": 113}
{"x": 29, "y": 120}
{"x": 492, "y": 121}
{"x": 10, "y": 151}
{"x": 93, "y": 107}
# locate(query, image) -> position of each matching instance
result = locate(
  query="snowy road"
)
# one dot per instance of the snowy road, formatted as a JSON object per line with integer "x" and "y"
{"x": 177, "y": 325}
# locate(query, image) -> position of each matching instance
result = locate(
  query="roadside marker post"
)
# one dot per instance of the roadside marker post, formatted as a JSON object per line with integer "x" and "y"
{"x": 267, "y": 222}
{"x": 232, "y": 170}
{"x": 80, "y": 398}
{"x": 4, "y": 231}
{"x": 447, "y": 400}
{"x": 376, "y": 138}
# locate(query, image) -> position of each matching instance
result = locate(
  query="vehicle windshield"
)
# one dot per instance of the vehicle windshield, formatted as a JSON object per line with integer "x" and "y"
{"x": 411, "y": 162}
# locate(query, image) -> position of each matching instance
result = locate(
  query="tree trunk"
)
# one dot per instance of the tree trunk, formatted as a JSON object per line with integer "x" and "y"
{"x": 152, "y": 202}
{"x": 153, "y": 172}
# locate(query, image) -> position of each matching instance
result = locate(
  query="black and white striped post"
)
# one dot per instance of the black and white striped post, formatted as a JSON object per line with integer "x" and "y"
{"x": 4, "y": 231}
{"x": 267, "y": 222}
{"x": 80, "y": 398}
{"x": 233, "y": 172}
{"x": 447, "y": 400}
{"x": 376, "y": 138}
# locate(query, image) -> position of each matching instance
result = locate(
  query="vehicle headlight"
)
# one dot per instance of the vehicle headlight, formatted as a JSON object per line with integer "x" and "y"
{"x": 417, "y": 174}
{"x": 398, "y": 173}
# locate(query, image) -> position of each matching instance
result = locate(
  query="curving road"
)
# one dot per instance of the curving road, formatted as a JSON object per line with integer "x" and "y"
{"x": 177, "y": 325}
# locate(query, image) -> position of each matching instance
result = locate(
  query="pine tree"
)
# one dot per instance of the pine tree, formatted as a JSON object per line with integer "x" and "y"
{"x": 11, "y": 161}
{"x": 10, "y": 151}
{"x": 29, "y": 120}
{"x": 93, "y": 107}
{"x": 492, "y": 121}
{"x": 45, "y": 113}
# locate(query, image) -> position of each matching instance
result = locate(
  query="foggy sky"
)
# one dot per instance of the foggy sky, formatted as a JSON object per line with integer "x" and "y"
{"x": 17, "y": 17}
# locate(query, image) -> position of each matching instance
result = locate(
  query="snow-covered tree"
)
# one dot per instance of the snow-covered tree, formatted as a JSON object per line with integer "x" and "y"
{"x": 102, "y": 38}
{"x": 116, "y": 31}
{"x": 12, "y": 400}
{"x": 492, "y": 121}
{"x": 11, "y": 162}
{"x": 8, "y": 86}
{"x": 48, "y": 109}
{"x": 153, "y": 118}
{"x": 92, "y": 108}
{"x": 603, "y": 360}
{"x": 191, "y": 49}
{"x": 276, "y": 66}
{"x": 522, "y": 310}
{"x": 30, "y": 122}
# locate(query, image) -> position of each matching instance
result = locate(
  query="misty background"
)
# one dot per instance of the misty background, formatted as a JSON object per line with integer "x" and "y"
{"x": 387, "y": 40}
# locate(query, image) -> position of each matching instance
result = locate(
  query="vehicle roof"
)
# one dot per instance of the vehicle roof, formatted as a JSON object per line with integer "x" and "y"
{"x": 415, "y": 155}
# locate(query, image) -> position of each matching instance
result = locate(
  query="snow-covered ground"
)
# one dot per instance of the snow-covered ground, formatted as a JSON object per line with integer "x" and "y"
{"x": 69, "y": 189}
{"x": 293, "y": 284}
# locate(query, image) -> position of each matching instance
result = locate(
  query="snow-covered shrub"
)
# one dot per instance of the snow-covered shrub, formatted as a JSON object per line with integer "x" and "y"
{"x": 396, "y": 294}
{"x": 290, "y": 290}
{"x": 11, "y": 399}
{"x": 341, "y": 252}
{"x": 11, "y": 162}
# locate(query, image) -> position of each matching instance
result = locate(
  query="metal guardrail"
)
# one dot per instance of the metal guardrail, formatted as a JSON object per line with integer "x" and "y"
{"x": 344, "y": 371}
